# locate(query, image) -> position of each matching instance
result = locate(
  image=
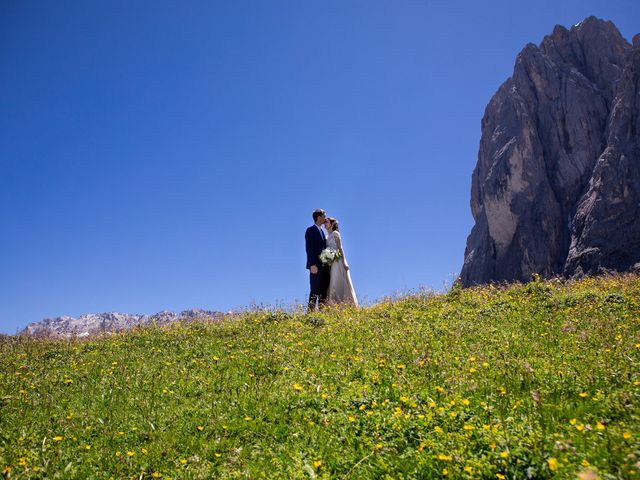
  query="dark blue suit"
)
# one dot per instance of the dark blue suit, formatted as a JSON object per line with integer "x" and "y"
{"x": 319, "y": 282}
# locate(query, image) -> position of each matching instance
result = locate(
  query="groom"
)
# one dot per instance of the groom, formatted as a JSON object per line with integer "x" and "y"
{"x": 316, "y": 241}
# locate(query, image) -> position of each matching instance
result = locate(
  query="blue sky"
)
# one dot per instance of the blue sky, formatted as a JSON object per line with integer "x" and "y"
{"x": 168, "y": 155}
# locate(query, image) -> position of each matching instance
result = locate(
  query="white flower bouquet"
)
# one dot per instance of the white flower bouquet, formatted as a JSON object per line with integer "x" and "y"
{"x": 329, "y": 255}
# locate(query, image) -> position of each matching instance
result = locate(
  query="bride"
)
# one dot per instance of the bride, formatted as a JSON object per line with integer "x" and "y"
{"x": 340, "y": 286}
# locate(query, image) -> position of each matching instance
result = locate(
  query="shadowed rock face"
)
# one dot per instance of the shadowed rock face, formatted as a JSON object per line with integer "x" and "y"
{"x": 556, "y": 189}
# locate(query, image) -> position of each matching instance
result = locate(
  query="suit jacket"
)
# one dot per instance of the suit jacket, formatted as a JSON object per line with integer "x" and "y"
{"x": 314, "y": 244}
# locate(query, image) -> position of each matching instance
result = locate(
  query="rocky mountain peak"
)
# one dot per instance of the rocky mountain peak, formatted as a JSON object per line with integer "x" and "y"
{"x": 557, "y": 161}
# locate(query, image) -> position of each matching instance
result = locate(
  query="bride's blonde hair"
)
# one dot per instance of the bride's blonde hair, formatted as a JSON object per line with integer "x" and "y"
{"x": 334, "y": 224}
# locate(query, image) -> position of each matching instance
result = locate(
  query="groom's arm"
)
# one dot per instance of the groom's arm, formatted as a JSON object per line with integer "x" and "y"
{"x": 308, "y": 240}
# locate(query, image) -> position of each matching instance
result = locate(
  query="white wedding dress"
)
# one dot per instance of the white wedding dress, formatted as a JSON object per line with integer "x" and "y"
{"x": 340, "y": 286}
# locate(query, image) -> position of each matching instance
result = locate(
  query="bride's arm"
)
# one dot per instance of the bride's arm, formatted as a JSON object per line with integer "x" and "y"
{"x": 339, "y": 245}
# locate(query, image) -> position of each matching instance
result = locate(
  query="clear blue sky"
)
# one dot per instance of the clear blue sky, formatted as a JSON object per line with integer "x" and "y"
{"x": 167, "y": 155}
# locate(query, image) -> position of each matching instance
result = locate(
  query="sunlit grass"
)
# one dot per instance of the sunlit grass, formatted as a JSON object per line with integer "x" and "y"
{"x": 538, "y": 380}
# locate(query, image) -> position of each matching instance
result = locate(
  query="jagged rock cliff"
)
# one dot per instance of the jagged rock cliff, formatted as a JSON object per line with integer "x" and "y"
{"x": 94, "y": 324}
{"x": 556, "y": 190}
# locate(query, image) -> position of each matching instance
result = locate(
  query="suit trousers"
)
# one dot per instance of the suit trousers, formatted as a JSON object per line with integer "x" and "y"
{"x": 319, "y": 283}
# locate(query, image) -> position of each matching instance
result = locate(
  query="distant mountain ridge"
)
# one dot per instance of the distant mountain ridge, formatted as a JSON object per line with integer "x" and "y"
{"x": 104, "y": 323}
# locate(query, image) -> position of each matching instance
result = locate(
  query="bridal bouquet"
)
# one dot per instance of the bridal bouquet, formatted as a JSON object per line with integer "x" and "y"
{"x": 329, "y": 255}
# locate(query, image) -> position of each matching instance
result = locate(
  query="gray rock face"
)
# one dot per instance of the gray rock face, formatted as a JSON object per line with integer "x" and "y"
{"x": 104, "y": 323}
{"x": 556, "y": 189}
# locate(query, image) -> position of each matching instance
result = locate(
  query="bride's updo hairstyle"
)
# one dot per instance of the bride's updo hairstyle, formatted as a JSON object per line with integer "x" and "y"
{"x": 334, "y": 224}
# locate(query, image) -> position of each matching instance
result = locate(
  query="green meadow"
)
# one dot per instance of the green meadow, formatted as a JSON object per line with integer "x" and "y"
{"x": 497, "y": 382}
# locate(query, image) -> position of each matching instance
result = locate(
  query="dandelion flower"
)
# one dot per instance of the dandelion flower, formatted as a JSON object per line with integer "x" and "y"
{"x": 553, "y": 464}
{"x": 317, "y": 463}
{"x": 297, "y": 387}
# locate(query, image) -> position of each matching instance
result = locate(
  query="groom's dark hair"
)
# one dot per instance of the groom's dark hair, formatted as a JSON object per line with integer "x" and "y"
{"x": 318, "y": 212}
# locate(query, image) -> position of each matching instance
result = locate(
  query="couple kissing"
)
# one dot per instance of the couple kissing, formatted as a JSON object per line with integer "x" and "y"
{"x": 329, "y": 276}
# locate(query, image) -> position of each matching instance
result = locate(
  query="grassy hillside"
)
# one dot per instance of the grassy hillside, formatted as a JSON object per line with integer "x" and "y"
{"x": 539, "y": 380}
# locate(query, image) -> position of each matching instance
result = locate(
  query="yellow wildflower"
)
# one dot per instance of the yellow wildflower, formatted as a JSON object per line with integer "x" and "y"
{"x": 504, "y": 454}
{"x": 553, "y": 464}
{"x": 58, "y": 438}
{"x": 317, "y": 463}
{"x": 626, "y": 435}
{"x": 297, "y": 387}
{"x": 156, "y": 475}
{"x": 444, "y": 458}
